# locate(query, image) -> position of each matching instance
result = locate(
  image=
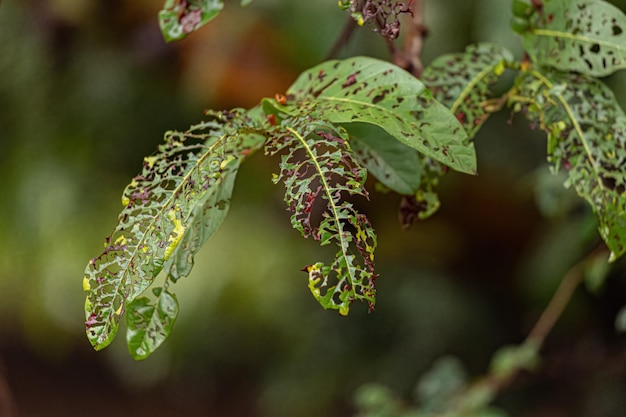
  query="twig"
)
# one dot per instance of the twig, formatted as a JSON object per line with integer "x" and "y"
{"x": 490, "y": 384}
{"x": 559, "y": 301}
{"x": 410, "y": 57}
{"x": 7, "y": 405}
{"x": 343, "y": 38}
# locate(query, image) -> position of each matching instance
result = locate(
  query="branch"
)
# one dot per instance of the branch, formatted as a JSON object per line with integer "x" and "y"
{"x": 558, "y": 303}
{"x": 410, "y": 57}
{"x": 7, "y": 405}
{"x": 343, "y": 38}
{"x": 491, "y": 384}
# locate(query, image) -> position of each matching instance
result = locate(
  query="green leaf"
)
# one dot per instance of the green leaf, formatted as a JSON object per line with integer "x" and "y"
{"x": 244, "y": 3}
{"x": 375, "y": 400}
{"x": 394, "y": 164}
{"x": 462, "y": 82}
{"x": 170, "y": 209}
{"x": 319, "y": 172}
{"x": 508, "y": 360}
{"x": 523, "y": 8}
{"x": 587, "y": 137}
{"x": 586, "y": 36}
{"x": 596, "y": 272}
{"x": 436, "y": 388}
{"x": 150, "y": 325}
{"x": 178, "y": 18}
{"x": 367, "y": 90}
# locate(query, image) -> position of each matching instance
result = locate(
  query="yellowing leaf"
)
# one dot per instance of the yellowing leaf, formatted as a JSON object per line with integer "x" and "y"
{"x": 86, "y": 286}
{"x": 182, "y": 195}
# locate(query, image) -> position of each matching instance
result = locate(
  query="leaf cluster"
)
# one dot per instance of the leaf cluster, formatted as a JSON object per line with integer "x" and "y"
{"x": 183, "y": 193}
{"x": 343, "y": 119}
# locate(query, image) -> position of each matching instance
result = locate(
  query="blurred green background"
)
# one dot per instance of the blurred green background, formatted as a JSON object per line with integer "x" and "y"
{"x": 87, "y": 89}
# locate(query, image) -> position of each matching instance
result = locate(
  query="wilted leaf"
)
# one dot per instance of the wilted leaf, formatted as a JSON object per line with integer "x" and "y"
{"x": 587, "y": 137}
{"x": 462, "y": 82}
{"x": 586, "y": 36}
{"x": 319, "y": 173}
{"x": 367, "y": 90}
{"x": 170, "y": 209}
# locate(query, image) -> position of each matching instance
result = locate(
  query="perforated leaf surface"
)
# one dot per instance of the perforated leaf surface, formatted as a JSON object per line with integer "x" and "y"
{"x": 586, "y": 36}
{"x": 170, "y": 209}
{"x": 320, "y": 173}
{"x": 180, "y": 18}
{"x": 586, "y": 137}
{"x": 149, "y": 324}
{"x": 367, "y": 90}
{"x": 462, "y": 82}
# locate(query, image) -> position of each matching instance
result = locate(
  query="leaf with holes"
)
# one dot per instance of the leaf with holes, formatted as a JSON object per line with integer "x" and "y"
{"x": 587, "y": 137}
{"x": 370, "y": 91}
{"x": 586, "y": 36}
{"x": 150, "y": 324}
{"x": 320, "y": 173}
{"x": 394, "y": 164}
{"x": 170, "y": 209}
{"x": 462, "y": 82}
{"x": 178, "y": 18}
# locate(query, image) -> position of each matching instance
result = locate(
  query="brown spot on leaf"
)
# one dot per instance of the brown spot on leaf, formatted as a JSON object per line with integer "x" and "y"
{"x": 350, "y": 80}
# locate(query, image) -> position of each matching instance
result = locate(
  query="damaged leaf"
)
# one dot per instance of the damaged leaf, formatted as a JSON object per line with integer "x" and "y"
{"x": 320, "y": 175}
{"x": 586, "y": 36}
{"x": 462, "y": 82}
{"x": 368, "y": 90}
{"x": 179, "y": 18}
{"x": 586, "y": 137}
{"x": 170, "y": 209}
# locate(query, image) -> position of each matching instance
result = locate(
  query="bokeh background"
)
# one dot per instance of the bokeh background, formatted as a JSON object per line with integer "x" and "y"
{"x": 87, "y": 89}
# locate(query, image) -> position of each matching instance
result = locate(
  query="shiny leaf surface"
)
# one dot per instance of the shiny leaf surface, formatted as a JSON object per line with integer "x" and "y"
{"x": 367, "y": 90}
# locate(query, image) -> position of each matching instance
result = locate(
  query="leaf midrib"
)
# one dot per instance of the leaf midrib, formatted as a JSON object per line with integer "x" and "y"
{"x": 551, "y": 33}
{"x": 126, "y": 270}
{"x": 392, "y": 115}
{"x": 579, "y": 132}
{"x": 344, "y": 245}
